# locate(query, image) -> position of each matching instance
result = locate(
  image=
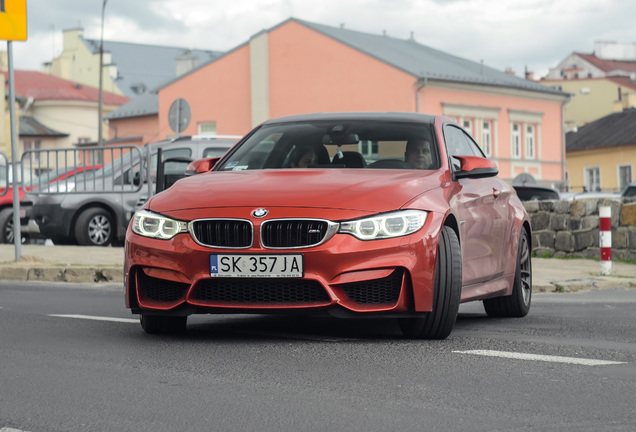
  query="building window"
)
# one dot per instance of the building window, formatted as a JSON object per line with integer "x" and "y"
{"x": 530, "y": 140}
{"x": 516, "y": 140}
{"x": 207, "y": 128}
{"x": 467, "y": 125}
{"x": 593, "y": 179}
{"x": 369, "y": 149}
{"x": 486, "y": 138}
{"x": 624, "y": 176}
{"x": 32, "y": 145}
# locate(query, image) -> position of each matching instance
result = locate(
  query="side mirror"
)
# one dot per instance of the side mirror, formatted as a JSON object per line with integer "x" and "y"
{"x": 201, "y": 165}
{"x": 475, "y": 167}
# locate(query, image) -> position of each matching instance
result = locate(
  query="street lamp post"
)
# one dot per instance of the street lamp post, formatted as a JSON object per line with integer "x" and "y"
{"x": 101, "y": 80}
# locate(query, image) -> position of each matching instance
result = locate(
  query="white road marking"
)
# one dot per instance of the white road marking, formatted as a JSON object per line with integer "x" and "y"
{"x": 96, "y": 318}
{"x": 538, "y": 357}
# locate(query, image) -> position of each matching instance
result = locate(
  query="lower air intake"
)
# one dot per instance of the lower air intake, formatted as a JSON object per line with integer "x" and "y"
{"x": 160, "y": 290}
{"x": 261, "y": 291}
{"x": 377, "y": 291}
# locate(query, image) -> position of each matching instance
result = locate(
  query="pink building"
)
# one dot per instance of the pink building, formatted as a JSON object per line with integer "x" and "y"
{"x": 301, "y": 67}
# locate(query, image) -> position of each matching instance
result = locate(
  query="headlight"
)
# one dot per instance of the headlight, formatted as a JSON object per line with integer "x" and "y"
{"x": 153, "y": 225}
{"x": 62, "y": 186}
{"x": 388, "y": 225}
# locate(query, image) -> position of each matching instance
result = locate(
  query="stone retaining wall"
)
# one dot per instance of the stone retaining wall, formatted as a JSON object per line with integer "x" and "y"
{"x": 571, "y": 228}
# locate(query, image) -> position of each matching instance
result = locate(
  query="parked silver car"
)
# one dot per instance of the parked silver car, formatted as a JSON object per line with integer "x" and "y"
{"x": 96, "y": 212}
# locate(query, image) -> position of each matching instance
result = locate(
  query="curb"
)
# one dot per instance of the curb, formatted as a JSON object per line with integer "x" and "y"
{"x": 63, "y": 274}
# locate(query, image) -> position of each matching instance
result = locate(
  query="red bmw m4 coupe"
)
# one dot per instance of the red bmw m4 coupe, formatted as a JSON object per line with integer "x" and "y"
{"x": 395, "y": 215}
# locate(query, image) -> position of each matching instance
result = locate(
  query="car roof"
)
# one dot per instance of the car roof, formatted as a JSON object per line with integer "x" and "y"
{"x": 221, "y": 140}
{"x": 534, "y": 187}
{"x": 343, "y": 116}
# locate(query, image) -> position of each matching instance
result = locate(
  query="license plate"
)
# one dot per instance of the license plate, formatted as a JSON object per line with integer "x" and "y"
{"x": 238, "y": 265}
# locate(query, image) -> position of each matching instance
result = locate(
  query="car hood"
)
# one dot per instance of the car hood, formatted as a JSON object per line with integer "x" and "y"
{"x": 369, "y": 191}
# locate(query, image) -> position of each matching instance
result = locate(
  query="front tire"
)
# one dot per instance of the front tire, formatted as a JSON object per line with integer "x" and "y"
{"x": 95, "y": 227}
{"x": 160, "y": 324}
{"x": 439, "y": 323}
{"x": 517, "y": 304}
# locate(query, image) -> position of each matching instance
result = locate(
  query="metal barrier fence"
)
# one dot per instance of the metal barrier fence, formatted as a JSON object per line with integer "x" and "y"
{"x": 96, "y": 170}
{"x": 4, "y": 174}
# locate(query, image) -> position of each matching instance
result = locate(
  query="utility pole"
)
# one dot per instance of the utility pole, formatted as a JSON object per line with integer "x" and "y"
{"x": 100, "y": 119}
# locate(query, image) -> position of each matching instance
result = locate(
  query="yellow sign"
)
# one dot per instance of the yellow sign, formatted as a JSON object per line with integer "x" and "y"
{"x": 13, "y": 20}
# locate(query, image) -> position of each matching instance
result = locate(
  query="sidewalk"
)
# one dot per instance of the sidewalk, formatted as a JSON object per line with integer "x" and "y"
{"x": 96, "y": 264}
{"x": 62, "y": 263}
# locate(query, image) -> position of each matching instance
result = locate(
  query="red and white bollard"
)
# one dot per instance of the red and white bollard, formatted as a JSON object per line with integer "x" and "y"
{"x": 605, "y": 214}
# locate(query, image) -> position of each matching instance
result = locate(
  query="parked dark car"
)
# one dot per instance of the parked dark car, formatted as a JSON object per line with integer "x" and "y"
{"x": 536, "y": 193}
{"x": 395, "y": 215}
{"x": 629, "y": 191}
{"x": 97, "y": 211}
{"x": 6, "y": 196}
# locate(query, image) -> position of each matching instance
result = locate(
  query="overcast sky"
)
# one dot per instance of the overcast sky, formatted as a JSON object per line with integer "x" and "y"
{"x": 516, "y": 34}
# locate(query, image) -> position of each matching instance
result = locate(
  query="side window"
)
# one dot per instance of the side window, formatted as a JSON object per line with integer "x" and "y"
{"x": 214, "y": 152}
{"x": 167, "y": 154}
{"x": 458, "y": 143}
{"x": 133, "y": 174}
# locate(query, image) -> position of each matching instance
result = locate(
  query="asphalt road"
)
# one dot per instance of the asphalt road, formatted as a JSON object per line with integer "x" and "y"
{"x": 73, "y": 359}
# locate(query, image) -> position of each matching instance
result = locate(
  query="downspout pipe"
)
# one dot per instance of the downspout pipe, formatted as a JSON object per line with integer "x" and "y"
{"x": 566, "y": 187}
{"x": 419, "y": 85}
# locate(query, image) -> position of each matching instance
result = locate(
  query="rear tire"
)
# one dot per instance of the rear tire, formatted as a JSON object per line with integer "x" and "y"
{"x": 6, "y": 225}
{"x": 517, "y": 304}
{"x": 159, "y": 324}
{"x": 94, "y": 227}
{"x": 439, "y": 323}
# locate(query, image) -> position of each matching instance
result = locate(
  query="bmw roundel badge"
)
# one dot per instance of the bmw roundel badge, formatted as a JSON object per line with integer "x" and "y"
{"x": 259, "y": 213}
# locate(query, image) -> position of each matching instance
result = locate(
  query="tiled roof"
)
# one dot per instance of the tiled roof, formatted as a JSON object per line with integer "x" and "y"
{"x": 425, "y": 62}
{"x": 30, "y": 127}
{"x": 608, "y": 65}
{"x": 418, "y": 60}
{"x": 623, "y": 81}
{"x": 142, "y": 105}
{"x": 41, "y": 86}
{"x": 615, "y": 130}
{"x": 148, "y": 66}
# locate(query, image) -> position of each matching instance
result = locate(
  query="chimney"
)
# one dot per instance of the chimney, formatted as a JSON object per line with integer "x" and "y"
{"x": 186, "y": 62}
{"x": 510, "y": 71}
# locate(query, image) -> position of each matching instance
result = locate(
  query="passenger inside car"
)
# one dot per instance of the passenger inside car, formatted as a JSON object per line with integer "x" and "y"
{"x": 418, "y": 153}
{"x": 303, "y": 157}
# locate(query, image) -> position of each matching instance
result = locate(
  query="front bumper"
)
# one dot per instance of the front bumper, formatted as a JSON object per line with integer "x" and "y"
{"x": 52, "y": 220}
{"x": 382, "y": 276}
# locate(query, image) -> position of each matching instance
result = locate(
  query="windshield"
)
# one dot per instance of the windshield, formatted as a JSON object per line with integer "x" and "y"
{"x": 6, "y": 174}
{"x": 333, "y": 144}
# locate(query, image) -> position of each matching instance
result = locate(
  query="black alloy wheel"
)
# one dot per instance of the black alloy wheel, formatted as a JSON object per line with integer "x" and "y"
{"x": 517, "y": 304}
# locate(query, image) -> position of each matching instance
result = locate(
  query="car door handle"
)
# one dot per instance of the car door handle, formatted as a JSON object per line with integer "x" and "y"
{"x": 496, "y": 192}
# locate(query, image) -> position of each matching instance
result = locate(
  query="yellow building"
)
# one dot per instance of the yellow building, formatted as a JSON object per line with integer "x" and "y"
{"x": 129, "y": 69}
{"x": 79, "y": 62}
{"x": 601, "y": 155}
{"x": 593, "y": 98}
{"x": 600, "y": 83}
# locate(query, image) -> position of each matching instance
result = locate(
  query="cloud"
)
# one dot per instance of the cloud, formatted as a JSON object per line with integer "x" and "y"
{"x": 536, "y": 34}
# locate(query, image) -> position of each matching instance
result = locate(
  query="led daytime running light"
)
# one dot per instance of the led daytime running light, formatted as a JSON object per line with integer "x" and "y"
{"x": 156, "y": 226}
{"x": 389, "y": 225}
